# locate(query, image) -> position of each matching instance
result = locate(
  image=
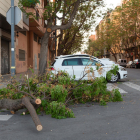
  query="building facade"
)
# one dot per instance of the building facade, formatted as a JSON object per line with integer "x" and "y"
{"x": 28, "y": 35}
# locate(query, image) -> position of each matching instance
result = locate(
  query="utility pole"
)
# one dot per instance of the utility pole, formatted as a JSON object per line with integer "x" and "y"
{"x": 12, "y": 38}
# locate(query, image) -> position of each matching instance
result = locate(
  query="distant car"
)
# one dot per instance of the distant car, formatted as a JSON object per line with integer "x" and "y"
{"x": 122, "y": 62}
{"x": 136, "y": 63}
{"x": 128, "y": 65}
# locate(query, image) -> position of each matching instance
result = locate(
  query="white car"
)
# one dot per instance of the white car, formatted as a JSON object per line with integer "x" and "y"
{"x": 77, "y": 65}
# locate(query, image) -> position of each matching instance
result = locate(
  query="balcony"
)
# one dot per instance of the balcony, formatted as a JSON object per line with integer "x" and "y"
{"x": 35, "y": 24}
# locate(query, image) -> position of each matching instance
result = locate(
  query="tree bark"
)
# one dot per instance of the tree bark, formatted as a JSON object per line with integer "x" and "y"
{"x": 29, "y": 106}
{"x": 12, "y": 105}
{"x": 43, "y": 53}
{"x": 26, "y": 102}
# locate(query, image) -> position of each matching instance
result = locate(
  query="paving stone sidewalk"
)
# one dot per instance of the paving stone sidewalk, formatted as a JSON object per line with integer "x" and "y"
{"x": 5, "y": 79}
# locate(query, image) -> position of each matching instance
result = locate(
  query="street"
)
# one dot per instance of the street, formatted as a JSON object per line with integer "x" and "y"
{"x": 116, "y": 121}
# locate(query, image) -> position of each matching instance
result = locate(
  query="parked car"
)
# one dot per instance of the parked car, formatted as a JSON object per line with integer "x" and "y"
{"x": 128, "y": 65}
{"x": 75, "y": 65}
{"x": 122, "y": 62}
{"x": 135, "y": 63}
{"x": 106, "y": 61}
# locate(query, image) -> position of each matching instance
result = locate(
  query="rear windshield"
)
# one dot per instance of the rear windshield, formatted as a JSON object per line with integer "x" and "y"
{"x": 53, "y": 63}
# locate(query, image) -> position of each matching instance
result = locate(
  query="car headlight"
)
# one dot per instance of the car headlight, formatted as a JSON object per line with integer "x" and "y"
{"x": 123, "y": 69}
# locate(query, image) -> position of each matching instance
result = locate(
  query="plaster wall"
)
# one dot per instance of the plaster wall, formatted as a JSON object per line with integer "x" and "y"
{"x": 36, "y": 51}
{"x": 4, "y": 7}
{"x": 21, "y": 43}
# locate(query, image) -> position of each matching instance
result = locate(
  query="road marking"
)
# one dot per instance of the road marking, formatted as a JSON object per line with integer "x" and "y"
{"x": 132, "y": 85}
{"x": 5, "y": 117}
{"x": 110, "y": 87}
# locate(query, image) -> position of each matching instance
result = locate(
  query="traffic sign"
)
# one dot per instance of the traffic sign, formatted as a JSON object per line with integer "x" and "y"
{"x": 18, "y": 15}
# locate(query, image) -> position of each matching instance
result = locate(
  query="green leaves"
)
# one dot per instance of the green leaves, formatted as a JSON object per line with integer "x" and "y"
{"x": 29, "y": 3}
{"x": 59, "y": 111}
{"x": 116, "y": 95}
{"x": 59, "y": 93}
{"x": 114, "y": 70}
{"x": 61, "y": 90}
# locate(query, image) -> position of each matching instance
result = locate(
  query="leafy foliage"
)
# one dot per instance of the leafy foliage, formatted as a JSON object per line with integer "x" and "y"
{"x": 29, "y": 3}
{"x": 58, "y": 91}
{"x": 117, "y": 95}
{"x": 114, "y": 70}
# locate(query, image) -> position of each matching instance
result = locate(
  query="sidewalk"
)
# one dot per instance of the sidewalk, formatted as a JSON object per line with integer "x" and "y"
{"x": 5, "y": 79}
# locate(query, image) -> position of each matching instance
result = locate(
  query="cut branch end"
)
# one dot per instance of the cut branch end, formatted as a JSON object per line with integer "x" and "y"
{"x": 38, "y": 101}
{"x": 39, "y": 127}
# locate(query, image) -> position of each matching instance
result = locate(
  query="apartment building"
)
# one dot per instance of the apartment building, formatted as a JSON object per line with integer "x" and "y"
{"x": 105, "y": 31}
{"x": 28, "y": 35}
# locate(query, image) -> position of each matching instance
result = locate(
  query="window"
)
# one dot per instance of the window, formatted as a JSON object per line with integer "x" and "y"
{"x": 35, "y": 37}
{"x": 121, "y": 61}
{"x": 87, "y": 62}
{"x": 21, "y": 55}
{"x": 124, "y": 61}
{"x": 72, "y": 62}
{"x": 39, "y": 40}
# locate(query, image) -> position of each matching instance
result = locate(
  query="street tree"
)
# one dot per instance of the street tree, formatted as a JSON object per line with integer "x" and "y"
{"x": 130, "y": 30}
{"x": 67, "y": 8}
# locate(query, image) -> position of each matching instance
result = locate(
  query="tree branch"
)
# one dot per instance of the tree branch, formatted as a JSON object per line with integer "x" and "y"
{"x": 68, "y": 25}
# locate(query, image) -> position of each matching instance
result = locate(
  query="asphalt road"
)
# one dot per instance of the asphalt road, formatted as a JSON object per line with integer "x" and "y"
{"x": 116, "y": 121}
{"x": 133, "y": 74}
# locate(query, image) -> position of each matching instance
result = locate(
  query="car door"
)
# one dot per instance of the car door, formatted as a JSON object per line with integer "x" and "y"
{"x": 73, "y": 67}
{"x": 87, "y": 65}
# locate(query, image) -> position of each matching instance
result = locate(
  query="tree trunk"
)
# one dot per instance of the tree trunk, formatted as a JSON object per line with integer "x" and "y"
{"x": 29, "y": 106}
{"x": 43, "y": 53}
{"x": 12, "y": 105}
{"x": 115, "y": 57}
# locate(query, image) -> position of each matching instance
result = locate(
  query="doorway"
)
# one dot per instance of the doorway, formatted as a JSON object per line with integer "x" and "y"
{"x": 5, "y": 59}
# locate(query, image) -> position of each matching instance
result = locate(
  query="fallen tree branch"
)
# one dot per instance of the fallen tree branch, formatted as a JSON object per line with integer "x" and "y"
{"x": 26, "y": 102}
{"x": 29, "y": 106}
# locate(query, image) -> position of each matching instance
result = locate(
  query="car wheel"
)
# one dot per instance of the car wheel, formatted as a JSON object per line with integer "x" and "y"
{"x": 114, "y": 78}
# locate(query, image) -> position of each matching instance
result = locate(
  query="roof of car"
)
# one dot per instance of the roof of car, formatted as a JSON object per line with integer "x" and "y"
{"x": 75, "y": 55}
